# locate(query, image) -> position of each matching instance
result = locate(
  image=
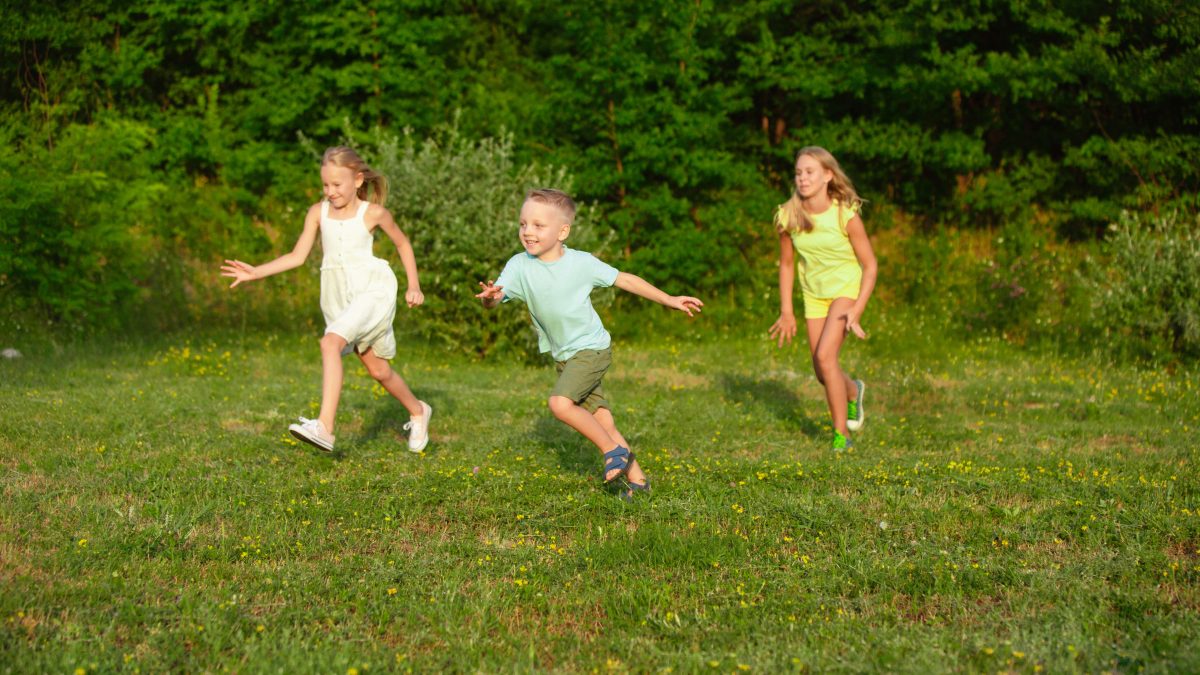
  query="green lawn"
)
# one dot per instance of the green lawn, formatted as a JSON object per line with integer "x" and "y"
{"x": 1001, "y": 512}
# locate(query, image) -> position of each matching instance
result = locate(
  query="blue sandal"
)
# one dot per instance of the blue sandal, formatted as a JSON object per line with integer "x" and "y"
{"x": 635, "y": 488}
{"x": 616, "y": 459}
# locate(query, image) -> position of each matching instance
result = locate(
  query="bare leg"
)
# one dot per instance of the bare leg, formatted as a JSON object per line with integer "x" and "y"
{"x": 815, "y": 328}
{"x": 825, "y": 340}
{"x": 391, "y": 381}
{"x": 331, "y": 377}
{"x": 569, "y": 413}
{"x": 605, "y": 418}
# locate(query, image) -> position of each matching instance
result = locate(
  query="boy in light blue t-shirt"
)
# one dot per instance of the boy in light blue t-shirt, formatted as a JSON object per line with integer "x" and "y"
{"x": 556, "y": 282}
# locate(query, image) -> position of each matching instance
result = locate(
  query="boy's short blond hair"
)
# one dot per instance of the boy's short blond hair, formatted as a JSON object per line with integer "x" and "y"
{"x": 555, "y": 198}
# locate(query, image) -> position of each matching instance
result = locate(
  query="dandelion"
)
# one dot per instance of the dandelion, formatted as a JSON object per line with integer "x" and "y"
{"x": 391, "y": 591}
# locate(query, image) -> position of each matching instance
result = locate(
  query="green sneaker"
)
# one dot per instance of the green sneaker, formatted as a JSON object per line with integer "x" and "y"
{"x": 841, "y": 443}
{"x": 855, "y": 413}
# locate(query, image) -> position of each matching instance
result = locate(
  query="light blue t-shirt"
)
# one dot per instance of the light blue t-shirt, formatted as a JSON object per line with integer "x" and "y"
{"x": 558, "y": 295}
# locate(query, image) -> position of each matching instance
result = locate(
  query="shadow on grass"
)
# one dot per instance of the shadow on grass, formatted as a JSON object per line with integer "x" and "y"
{"x": 777, "y": 397}
{"x": 575, "y": 453}
{"x": 386, "y": 417}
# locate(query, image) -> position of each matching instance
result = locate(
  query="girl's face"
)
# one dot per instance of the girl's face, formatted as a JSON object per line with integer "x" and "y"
{"x": 340, "y": 185}
{"x": 811, "y": 177}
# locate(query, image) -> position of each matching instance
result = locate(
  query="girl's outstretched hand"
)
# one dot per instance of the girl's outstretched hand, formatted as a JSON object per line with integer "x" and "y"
{"x": 784, "y": 329}
{"x": 686, "y": 304}
{"x": 414, "y": 297}
{"x": 239, "y": 271}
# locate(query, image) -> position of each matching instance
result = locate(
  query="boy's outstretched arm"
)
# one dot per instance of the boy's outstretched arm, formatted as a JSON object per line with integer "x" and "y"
{"x": 491, "y": 295}
{"x": 639, "y": 286}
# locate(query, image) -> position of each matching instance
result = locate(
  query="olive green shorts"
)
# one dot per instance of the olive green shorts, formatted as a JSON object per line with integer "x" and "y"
{"x": 579, "y": 378}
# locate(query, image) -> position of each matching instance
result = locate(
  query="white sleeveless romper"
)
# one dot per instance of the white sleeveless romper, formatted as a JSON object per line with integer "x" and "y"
{"x": 358, "y": 290}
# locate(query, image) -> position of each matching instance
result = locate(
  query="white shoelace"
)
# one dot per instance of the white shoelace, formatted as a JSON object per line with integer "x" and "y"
{"x": 313, "y": 426}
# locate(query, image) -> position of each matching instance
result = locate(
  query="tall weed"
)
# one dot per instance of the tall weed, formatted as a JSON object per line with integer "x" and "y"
{"x": 1146, "y": 292}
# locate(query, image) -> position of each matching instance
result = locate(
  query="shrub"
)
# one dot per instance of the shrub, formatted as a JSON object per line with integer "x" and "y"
{"x": 74, "y": 218}
{"x": 458, "y": 201}
{"x": 1148, "y": 295}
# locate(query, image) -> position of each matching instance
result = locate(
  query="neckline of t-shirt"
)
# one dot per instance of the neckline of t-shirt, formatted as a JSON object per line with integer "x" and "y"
{"x": 833, "y": 204}
{"x": 553, "y": 262}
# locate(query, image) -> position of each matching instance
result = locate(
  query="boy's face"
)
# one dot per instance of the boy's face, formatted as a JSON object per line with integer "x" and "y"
{"x": 544, "y": 228}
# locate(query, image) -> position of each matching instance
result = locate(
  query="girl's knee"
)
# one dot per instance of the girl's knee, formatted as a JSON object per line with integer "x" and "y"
{"x": 824, "y": 365}
{"x": 380, "y": 371}
{"x": 331, "y": 341}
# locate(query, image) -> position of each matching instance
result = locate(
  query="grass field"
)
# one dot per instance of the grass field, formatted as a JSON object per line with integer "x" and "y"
{"x": 1001, "y": 512}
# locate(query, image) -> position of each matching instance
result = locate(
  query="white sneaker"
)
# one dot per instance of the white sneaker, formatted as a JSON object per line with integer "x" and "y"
{"x": 418, "y": 429}
{"x": 856, "y": 423}
{"x": 313, "y": 432}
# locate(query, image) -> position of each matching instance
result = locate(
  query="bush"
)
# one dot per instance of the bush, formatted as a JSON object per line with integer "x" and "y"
{"x": 458, "y": 201}
{"x": 74, "y": 219}
{"x": 1148, "y": 295}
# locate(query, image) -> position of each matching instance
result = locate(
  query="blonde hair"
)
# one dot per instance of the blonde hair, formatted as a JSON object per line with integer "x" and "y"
{"x": 554, "y": 197}
{"x": 345, "y": 157}
{"x": 791, "y": 216}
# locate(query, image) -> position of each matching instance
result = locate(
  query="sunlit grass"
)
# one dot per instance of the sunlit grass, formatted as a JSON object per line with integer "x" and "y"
{"x": 1001, "y": 512}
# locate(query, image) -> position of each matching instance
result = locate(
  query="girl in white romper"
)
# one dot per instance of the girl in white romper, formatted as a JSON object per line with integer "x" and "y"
{"x": 358, "y": 290}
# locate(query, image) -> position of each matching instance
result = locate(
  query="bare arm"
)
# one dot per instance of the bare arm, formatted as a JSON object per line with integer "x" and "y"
{"x": 784, "y": 328}
{"x": 639, "y": 286}
{"x": 857, "y": 232}
{"x": 376, "y": 213}
{"x": 240, "y": 271}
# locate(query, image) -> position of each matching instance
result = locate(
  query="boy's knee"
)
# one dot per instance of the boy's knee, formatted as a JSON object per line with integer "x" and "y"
{"x": 331, "y": 341}
{"x": 560, "y": 405}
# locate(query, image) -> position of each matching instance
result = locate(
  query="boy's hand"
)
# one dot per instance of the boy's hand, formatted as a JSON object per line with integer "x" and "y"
{"x": 784, "y": 329}
{"x": 686, "y": 304}
{"x": 239, "y": 270}
{"x": 414, "y": 297}
{"x": 491, "y": 294}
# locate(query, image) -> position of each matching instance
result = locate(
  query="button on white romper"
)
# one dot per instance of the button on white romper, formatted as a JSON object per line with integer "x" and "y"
{"x": 358, "y": 290}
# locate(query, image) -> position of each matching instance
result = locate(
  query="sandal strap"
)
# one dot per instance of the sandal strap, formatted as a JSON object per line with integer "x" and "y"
{"x": 634, "y": 487}
{"x": 617, "y": 458}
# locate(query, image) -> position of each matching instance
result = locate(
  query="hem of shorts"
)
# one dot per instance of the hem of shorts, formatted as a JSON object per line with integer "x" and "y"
{"x": 358, "y": 347}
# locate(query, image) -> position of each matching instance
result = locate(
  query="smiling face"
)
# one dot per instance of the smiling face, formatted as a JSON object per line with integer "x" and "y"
{"x": 544, "y": 227}
{"x": 811, "y": 177}
{"x": 340, "y": 185}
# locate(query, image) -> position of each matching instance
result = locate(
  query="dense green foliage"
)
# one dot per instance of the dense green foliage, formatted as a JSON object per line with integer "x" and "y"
{"x": 678, "y": 120}
{"x": 1002, "y": 512}
{"x": 458, "y": 200}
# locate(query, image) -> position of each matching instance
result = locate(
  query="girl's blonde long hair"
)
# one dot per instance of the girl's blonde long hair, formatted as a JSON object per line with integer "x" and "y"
{"x": 343, "y": 156}
{"x": 792, "y": 217}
